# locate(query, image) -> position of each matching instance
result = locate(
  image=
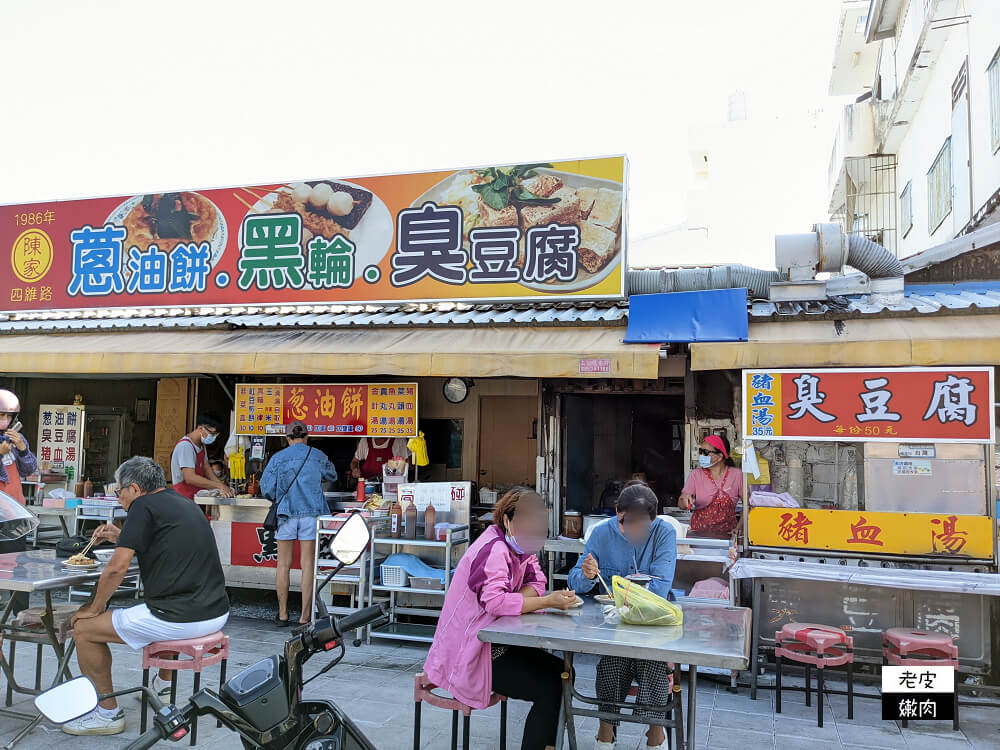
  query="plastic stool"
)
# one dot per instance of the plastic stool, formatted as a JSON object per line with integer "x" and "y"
{"x": 422, "y": 691}
{"x": 904, "y": 647}
{"x": 203, "y": 652}
{"x": 819, "y": 646}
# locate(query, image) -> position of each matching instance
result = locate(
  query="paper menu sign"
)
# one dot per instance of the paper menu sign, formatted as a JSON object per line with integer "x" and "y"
{"x": 439, "y": 494}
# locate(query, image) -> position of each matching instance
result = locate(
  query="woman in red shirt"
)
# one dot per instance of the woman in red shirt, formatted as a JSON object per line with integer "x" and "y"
{"x": 712, "y": 490}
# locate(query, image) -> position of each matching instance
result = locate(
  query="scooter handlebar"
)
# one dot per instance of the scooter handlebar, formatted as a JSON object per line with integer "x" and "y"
{"x": 330, "y": 629}
{"x": 147, "y": 740}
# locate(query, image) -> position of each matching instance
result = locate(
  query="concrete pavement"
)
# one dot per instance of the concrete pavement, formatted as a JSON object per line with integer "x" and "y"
{"x": 374, "y": 685}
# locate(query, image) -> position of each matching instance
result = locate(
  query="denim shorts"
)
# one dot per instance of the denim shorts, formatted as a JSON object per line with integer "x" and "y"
{"x": 302, "y": 528}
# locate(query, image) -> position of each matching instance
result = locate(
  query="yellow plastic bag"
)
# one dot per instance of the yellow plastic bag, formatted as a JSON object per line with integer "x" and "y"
{"x": 418, "y": 447}
{"x": 638, "y": 606}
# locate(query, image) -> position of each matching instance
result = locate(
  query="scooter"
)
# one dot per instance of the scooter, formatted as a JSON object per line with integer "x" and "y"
{"x": 263, "y": 703}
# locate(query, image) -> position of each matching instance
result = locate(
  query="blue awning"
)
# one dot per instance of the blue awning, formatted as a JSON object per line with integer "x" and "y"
{"x": 685, "y": 317}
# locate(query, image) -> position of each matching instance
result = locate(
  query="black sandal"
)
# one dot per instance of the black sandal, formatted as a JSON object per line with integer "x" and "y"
{"x": 282, "y": 623}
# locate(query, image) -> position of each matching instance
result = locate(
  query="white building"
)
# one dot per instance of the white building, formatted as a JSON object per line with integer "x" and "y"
{"x": 916, "y": 161}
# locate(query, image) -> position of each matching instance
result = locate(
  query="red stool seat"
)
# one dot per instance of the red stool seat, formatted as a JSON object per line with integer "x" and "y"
{"x": 904, "y": 647}
{"x": 202, "y": 652}
{"x": 819, "y": 646}
{"x": 423, "y": 692}
{"x": 819, "y": 638}
{"x": 932, "y": 644}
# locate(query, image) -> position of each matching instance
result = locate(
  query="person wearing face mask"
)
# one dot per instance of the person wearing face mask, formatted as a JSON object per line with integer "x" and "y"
{"x": 188, "y": 470}
{"x": 16, "y": 459}
{"x": 712, "y": 490}
{"x": 634, "y": 542}
{"x": 500, "y": 576}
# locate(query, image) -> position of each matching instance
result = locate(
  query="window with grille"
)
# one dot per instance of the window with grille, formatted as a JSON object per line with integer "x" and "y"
{"x": 939, "y": 188}
{"x": 906, "y": 209}
{"x": 993, "y": 74}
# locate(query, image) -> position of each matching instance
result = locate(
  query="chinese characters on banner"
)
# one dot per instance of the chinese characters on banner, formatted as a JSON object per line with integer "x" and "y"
{"x": 864, "y": 531}
{"x": 896, "y": 405}
{"x": 344, "y": 409}
{"x": 60, "y": 437}
{"x": 532, "y": 231}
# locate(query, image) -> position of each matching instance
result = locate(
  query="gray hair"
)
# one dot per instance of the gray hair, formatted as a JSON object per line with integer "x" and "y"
{"x": 142, "y": 471}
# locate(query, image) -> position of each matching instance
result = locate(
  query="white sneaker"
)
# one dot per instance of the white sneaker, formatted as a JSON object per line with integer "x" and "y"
{"x": 95, "y": 724}
{"x": 601, "y": 745}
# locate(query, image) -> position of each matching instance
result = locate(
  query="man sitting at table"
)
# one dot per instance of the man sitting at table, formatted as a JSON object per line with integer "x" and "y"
{"x": 184, "y": 586}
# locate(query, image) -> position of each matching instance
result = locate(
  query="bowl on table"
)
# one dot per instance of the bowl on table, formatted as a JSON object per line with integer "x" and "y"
{"x": 104, "y": 555}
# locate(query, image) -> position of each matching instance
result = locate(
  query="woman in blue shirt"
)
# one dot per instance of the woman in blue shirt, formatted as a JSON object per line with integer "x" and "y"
{"x": 294, "y": 479}
{"x": 634, "y": 542}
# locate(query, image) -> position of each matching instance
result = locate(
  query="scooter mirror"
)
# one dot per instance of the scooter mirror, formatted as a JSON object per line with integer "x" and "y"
{"x": 67, "y": 701}
{"x": 353, "y": 538}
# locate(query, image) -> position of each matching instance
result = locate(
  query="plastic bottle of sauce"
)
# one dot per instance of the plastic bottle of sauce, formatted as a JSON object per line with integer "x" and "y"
{"x": 396, "y": 520}
{"x": 411, "y": 521}
{"x": 360, "y": 494}
{"x": 88, "y": 488}
{"x": 430, "y": 516}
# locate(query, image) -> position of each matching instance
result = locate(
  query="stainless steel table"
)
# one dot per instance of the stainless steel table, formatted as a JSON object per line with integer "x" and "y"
{"x": 31, "y": 571}
{"x": 711, "y": 636}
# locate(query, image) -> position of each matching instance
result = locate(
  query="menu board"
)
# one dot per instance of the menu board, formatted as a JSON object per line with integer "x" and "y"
{"x": 60, "y": 437}
{"x": 340, "y": 409}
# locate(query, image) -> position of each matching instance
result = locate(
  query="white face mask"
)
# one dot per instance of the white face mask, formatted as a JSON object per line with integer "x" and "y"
{"x": 705, "y": 462}
{"x": 209, "y": 439}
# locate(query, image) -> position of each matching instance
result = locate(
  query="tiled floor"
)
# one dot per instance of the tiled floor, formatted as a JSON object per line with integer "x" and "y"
{"x": 374, "y": 685}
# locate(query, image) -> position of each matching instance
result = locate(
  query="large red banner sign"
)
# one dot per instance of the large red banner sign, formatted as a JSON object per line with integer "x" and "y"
{"x": 914, "y": 404}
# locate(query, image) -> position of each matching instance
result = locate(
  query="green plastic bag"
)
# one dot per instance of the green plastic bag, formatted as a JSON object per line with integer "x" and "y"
{"x": 639, "y": 606}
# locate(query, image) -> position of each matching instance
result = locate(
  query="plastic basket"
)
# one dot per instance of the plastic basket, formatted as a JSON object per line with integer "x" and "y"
{"x": 393, "y": 575}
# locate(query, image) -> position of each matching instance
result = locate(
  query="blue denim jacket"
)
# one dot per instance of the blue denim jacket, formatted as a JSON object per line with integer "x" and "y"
{"x": 305, "y": 496}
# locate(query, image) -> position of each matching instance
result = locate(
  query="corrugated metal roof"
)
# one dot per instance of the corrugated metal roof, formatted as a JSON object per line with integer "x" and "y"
{"x": 320, "y": 316}
{"x": 919, "y": 299}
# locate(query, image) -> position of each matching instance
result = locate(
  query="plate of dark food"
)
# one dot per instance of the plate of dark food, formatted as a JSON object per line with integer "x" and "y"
{"x": 167, "y": 220}
{"x": 329, "y": 208}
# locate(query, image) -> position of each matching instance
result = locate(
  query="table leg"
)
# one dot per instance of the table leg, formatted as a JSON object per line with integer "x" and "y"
{"x": 48, "y": 620}
{"x": 552, "y": 571}
{"x": 24, "y": 732}
{"x": 692, "y": 704}
{"x": 678, "y": 709}
{"x": 567, "y": 681}
{"x": 754, "y": 637}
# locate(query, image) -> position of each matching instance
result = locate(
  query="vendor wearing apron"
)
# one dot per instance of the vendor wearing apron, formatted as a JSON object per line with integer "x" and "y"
{"x": 187, "y": 462}
{"x": 713, "y": 489}
{"x": 16, "y": 459}
{"x": 372, "y": 454}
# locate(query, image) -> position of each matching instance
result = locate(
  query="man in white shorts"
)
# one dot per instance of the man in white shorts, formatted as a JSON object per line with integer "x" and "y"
{"x": 184, "y": 586}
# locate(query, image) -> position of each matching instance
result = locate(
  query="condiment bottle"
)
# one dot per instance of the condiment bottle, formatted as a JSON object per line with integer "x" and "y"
{"x": 88, "y": 488}
{"x": 430, "y": 516}
{"x": 411, "y": 521}
{"x": 395, "y": 519}
{"x": 360, "y": 492}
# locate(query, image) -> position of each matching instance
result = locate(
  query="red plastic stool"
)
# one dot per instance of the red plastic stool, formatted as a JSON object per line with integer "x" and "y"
{"x": 423, "y": 691}
{"x": 202, "y": 652}
{"x": 904, "y": 647}
{"x": 819, "y": 646}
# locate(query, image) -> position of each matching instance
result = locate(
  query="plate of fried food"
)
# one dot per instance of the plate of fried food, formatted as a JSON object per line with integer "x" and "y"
{"x": 526, "y": 196}
{"x": 329, "y": 208}
{"x": 80, "y": 562}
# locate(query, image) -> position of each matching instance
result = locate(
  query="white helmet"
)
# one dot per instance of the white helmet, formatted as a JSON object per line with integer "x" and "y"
{"x": 9, "y": 403}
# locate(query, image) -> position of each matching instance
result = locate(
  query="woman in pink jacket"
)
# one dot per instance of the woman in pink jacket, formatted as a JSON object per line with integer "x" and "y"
{"x": 500, "y": 576}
